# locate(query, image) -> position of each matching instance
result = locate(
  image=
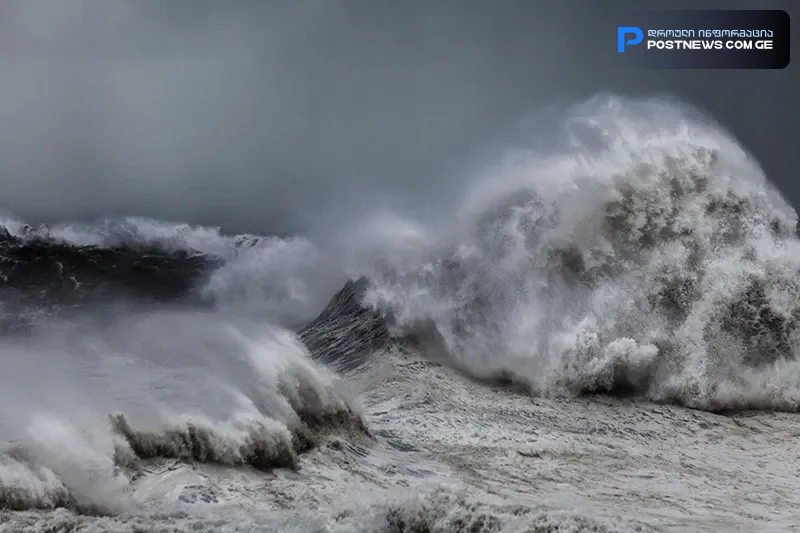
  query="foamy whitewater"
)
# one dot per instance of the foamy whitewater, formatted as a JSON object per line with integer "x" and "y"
{"x": 602, "y": 337}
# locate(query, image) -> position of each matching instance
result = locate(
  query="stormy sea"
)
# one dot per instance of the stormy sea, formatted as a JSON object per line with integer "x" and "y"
{"x": 601, "y": 336}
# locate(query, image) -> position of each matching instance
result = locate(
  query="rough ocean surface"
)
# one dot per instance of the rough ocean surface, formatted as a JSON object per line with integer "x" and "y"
{"x": 603, "y": 338}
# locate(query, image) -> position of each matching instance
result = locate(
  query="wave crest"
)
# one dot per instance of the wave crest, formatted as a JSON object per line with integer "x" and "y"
{"x": 654, "y": 260}
{"x": 254, "y": 398}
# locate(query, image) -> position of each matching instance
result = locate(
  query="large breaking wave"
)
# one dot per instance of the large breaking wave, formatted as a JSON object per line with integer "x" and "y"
{"x": 82, "y": 412}
{"x": 649, "y": 256}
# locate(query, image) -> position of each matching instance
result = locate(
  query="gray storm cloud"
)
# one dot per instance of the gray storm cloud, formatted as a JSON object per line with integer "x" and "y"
{"x": 264, "y": 116}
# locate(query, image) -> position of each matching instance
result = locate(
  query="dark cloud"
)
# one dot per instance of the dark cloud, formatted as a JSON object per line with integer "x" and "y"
{"x": 257, "y": 115}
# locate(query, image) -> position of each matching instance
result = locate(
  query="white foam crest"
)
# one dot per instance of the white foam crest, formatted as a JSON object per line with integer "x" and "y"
{"x": 128, "y": 230}
{"x": 82, "y": 457}
{"x": 29, "y": 486}
{"x": 648, "y": 255}
{"x": 192, "y": 386}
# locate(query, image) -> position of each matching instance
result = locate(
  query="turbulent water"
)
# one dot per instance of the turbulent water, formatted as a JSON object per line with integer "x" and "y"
{"x": 602, "y": 336}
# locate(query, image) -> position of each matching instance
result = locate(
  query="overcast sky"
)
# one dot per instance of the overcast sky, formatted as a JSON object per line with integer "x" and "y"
{"x": 251, "y": 115}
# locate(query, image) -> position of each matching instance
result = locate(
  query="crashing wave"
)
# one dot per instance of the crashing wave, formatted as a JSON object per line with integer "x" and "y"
{"x": 253, "y": 398}
{"x": 655, "y": 260}
{"x": 259, "y": 442}
{"x": 29, "y": 482}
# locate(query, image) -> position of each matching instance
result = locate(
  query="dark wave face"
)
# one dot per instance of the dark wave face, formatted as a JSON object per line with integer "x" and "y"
{"x": 39, "y": 273}
{"x": 46, "y": 272}
{"x": 347, "y": 332}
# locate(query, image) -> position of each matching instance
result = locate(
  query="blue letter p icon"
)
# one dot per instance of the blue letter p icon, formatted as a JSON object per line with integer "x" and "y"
{"x": 628, "y": 30}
